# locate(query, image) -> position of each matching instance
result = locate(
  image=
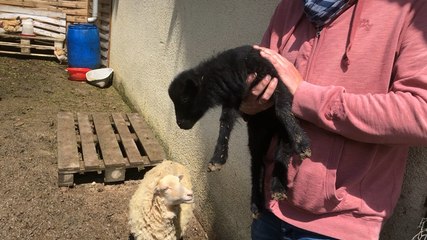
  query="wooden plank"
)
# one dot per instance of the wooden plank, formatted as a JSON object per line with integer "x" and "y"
{"x": 149, "y": 142}
{"x": 114, "y": 162}
{"x": 49, "y": 27}
{"x": 104, "y": 45}
{"x": 68, "y": 158}
{"x": 59, "y": 22}
{"x": 104, "y": 36}
{"x": 29, "y": 4}
{"x": 110, "y": 149}
{"x": 132, "y": 152}
{"x": 104, "y": 62}
{"x": 65, "y": 179}
{"x": 90, "y": 157}
{"x": 26, "y": 44}
{"x": 77, "y": 12}
{"x": 76, "y": 19}
{"x": 31, "y": 11}
{"x": 48, "y": 34}
{"x": 16, "y": 36}
{"x": 38, "y": 3}
{"x": 104, "y": 18}
{"x": 104, "y": 27}
{"x": 104, "y": 54}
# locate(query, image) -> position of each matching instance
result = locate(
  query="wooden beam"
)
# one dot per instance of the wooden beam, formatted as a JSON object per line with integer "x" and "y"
{"x": 49, "y": 27}
{"x": 20, "y": 45}
{"x": 29, "y": 11}
{"x": 59, "y": 22}
{"x": 38, "y": 3}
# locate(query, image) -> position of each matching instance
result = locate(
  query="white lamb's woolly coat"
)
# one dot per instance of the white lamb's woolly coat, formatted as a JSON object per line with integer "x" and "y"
{"x": 148, "y": 216}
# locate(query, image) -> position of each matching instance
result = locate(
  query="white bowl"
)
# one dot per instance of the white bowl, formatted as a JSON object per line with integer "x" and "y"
{"x": 102, "y": 77}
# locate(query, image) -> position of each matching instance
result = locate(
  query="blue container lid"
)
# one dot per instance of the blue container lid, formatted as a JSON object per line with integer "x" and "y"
{"x": 82, "y": 26}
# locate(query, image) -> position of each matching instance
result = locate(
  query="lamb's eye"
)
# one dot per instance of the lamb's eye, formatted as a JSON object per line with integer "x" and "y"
{"x": 185, "y": 100}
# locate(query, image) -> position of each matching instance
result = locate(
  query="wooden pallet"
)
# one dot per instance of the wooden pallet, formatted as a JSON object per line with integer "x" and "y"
{"x": 27, "y": 45}
{"x": 76, "y": 10}
{"x": 49, "y": 30}
{"x": 46, "y": 23}
{"x": 101, "y": 142}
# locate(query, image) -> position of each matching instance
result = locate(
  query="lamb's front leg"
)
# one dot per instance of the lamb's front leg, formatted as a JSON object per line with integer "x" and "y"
{"x": 227, "y": 120}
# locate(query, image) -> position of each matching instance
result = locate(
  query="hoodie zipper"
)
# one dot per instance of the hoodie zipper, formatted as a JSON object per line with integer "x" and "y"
{"x": 313, "y": 53}
{"x": 318, "y": 30}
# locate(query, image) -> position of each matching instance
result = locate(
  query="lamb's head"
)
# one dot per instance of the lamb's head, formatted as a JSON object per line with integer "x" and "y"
{"x": 172, "y": 191}
{"x": 186, "y": 94}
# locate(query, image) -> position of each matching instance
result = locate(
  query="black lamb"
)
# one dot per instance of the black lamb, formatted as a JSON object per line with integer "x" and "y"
{"x": 221, "y": 80}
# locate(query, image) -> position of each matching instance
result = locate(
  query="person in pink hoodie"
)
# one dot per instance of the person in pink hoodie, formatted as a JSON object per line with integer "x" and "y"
{"x": 358, "y": 73}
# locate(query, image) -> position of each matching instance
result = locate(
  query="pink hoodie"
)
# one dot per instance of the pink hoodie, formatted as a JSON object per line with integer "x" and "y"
{"x": 363, "y": 103}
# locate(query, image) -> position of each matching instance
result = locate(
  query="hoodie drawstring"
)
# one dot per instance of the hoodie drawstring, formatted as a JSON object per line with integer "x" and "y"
{"x": 354, "y": 24}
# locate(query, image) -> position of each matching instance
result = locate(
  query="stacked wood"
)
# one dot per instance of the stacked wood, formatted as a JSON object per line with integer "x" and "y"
{"x": 76, "y": 10}
{"x": 104, "y": 20}
{"x": 50, "y": 18}
{"x": 46, "y": 23}
{"x": 49, "y": 32}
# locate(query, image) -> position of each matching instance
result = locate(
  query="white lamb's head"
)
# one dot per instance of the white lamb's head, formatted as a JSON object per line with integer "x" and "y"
{"x": 172, "y": 191}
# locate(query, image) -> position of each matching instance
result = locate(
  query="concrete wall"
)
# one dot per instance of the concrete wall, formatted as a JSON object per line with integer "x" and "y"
{"x": 151, "y": 41}
{"x": 410, "y": 208}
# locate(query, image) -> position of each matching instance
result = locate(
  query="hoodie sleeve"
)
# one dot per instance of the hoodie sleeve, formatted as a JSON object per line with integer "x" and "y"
{"x": 397, "y": 117}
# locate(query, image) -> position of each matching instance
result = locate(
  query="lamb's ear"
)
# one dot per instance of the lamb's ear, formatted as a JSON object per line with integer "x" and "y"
{"x": 159, "y": 190}
{"x": 180, "y": 177}
{"x": 191, "y": 87}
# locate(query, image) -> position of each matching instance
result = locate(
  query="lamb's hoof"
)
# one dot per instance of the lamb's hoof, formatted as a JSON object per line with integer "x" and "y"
{"x": 255, "y": 211}
{"x": 212, "y": 167}
{"x": 278, "y": 196}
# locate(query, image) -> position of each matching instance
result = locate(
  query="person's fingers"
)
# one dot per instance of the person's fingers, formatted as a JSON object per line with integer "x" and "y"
{"x": 260, "y": 87}
{"x": 269, "y": 91}
{"x": 251, "y": 77}
{"x": 258, "y": 98}
{"x": 287, "y": 72}
{"x": 249, "y": 80}
{"x": 276, "y": 59}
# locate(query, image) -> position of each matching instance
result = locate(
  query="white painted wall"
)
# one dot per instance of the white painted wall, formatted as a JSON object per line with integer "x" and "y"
{"x": 151, "y": 41}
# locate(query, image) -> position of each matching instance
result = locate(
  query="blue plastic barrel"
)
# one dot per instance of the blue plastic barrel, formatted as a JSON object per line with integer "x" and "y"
{"x": 83, "y": 46}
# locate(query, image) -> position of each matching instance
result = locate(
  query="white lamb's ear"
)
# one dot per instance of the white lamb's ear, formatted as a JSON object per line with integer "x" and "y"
{"x": 180, "y": 177}
{"x": 158, "y": 190}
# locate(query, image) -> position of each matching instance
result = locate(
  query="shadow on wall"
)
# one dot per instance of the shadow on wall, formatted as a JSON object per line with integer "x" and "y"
{"x": 200, "y": 29}
{"x": 407, "y": 215}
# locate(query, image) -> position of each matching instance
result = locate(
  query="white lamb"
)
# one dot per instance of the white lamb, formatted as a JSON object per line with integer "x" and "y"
{"x": 155, "y": 210}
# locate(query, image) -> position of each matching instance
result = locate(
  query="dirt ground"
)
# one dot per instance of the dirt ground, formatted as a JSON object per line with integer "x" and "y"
{"x": 32, "y": 206}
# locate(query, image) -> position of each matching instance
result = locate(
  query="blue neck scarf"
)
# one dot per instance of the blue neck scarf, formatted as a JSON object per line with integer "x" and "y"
{"x": 321, "y": 12}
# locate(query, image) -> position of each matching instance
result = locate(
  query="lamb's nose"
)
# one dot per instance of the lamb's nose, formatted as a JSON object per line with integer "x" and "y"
{"x": 184, "y": 124}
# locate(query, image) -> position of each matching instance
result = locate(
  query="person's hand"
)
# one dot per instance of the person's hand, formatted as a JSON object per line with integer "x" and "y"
{"x": 285, "y": 69}
{"x": 258, "y": 98}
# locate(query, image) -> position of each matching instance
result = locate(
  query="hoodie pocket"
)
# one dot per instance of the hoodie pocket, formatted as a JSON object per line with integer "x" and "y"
{"x": 312, "y": 183}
